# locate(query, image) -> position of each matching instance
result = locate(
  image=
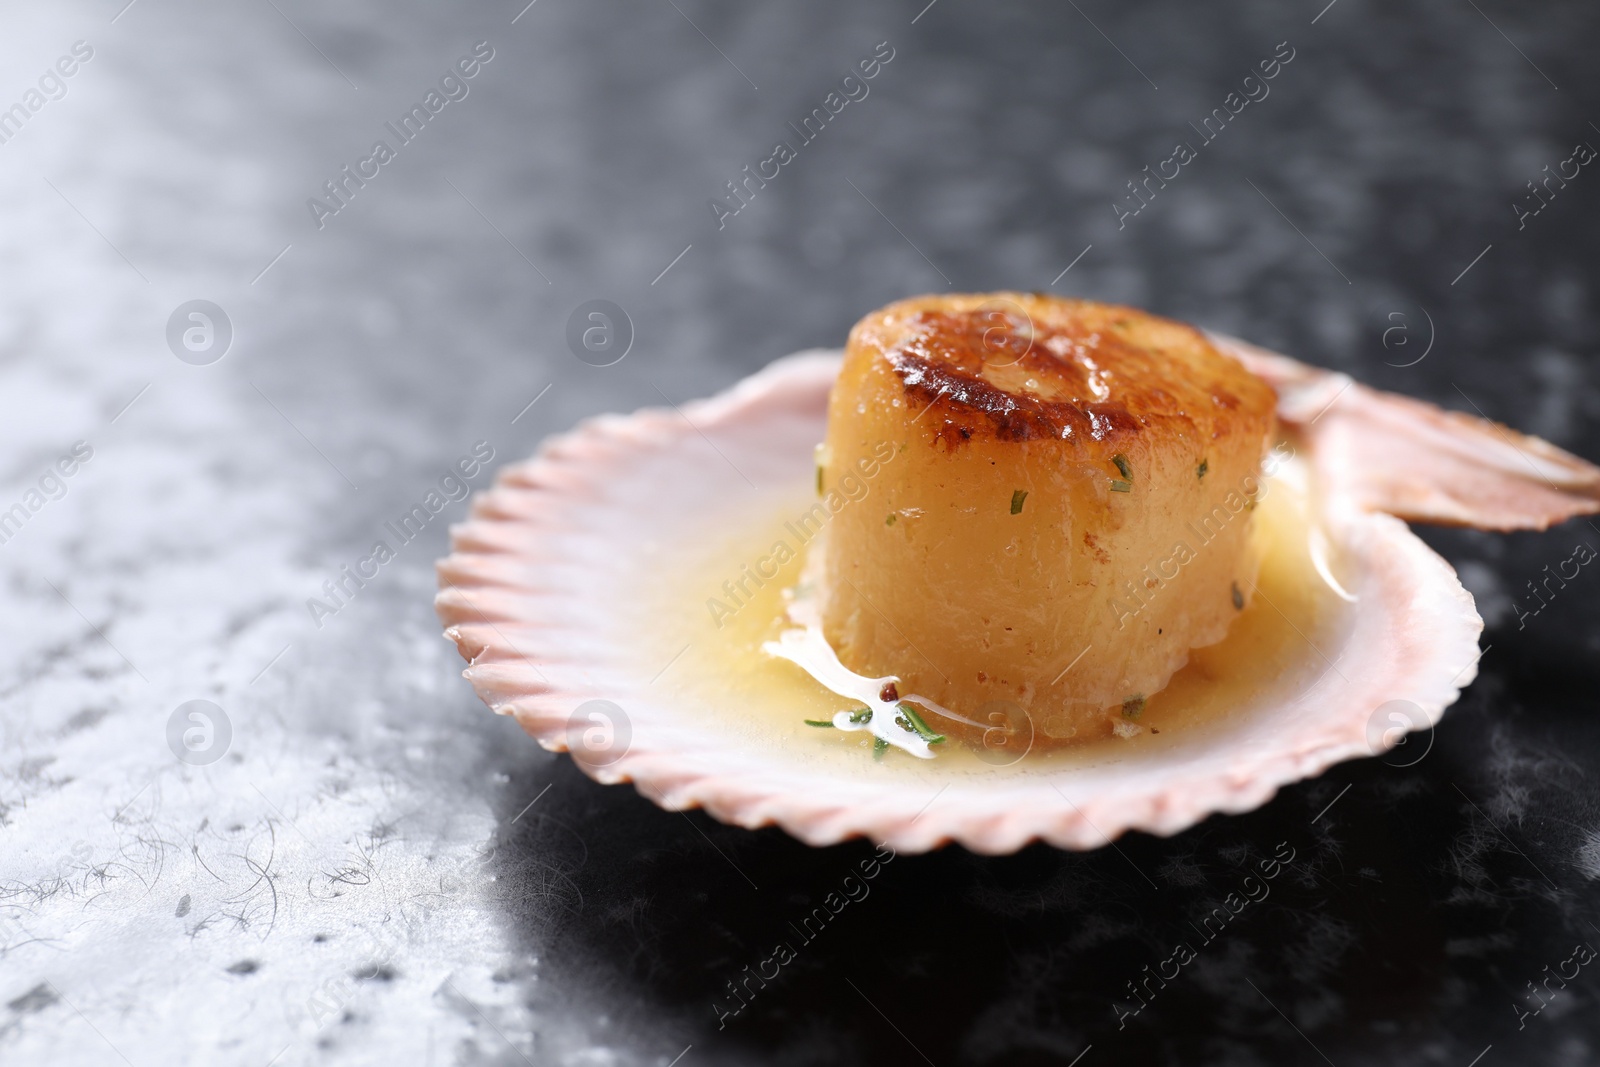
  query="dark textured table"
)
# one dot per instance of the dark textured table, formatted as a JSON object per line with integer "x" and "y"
{"x": 344, "y": 867}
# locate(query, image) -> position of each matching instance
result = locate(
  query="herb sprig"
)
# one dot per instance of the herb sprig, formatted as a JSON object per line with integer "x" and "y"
{"x": 911, "y": 719}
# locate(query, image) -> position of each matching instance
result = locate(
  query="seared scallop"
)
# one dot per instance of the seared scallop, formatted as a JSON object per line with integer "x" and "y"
{"x": 1066, "y": 512}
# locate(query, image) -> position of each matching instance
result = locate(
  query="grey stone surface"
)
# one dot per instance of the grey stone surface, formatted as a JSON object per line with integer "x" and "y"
{"x": 358, "y": 877}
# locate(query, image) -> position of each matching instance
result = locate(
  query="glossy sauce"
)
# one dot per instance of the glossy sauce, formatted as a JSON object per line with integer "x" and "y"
{"x": 1273, "y": 650}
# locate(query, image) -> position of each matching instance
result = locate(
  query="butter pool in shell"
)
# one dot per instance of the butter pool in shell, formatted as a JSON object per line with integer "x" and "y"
{"x": 623, "y": 593}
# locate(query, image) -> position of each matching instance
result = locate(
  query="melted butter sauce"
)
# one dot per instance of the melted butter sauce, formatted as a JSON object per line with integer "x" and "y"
{"x": 725, "y": 604}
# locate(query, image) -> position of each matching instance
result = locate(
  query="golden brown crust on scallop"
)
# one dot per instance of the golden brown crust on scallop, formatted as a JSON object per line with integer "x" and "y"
{"x": 1020, "y": 366}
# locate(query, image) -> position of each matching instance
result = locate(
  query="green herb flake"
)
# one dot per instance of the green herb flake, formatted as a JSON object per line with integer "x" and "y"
{"x": 1120, "y": 486}
{"x": 879, "y": 747}
{"x": 1133, "y": 707}
{"x": 1200, "y": 471}
{"x": 1122, "y": 465}
{"x": 1017, "y": 498}
{"x": 917, "y": 724}
{"x": 819, "y": 479}
{"x": 861, "y": 715}
{"x": 1238, "y": 598}
{"x": 820, "y": 722}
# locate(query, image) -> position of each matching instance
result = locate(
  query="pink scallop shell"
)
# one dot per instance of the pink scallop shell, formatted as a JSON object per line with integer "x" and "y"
{"x": 526, "y": 592}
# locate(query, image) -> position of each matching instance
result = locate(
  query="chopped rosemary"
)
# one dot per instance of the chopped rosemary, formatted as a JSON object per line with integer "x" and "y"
{"x": 1133, "y": 706}
{"x": 1122, "y": 465}
{"x": 915, "y": 722}
{"x": 861, "y": 715}
{"x": 1120, "y": 486}
{"x": 1017, "y": 497}
{"x": 1238, "y": 598}
{"x": 879, "y": 747}
{"x": 890, "y": 520}
{"x": 1200, "y": 471}
{"x": 820, "y": 722}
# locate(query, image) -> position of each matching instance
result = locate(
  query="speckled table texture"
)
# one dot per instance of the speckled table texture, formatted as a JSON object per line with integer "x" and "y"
{"x": 358, "y": 877}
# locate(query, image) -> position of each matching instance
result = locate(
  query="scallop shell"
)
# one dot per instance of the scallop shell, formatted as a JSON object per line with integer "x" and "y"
{"x": 529, "y": 592}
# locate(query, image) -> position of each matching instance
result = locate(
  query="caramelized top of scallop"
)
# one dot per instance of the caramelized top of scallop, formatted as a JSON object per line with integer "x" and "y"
{"x": 1020, "y": 367}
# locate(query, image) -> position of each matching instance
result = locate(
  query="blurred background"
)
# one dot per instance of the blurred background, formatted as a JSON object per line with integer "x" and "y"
{"x": 342, "y": 866}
